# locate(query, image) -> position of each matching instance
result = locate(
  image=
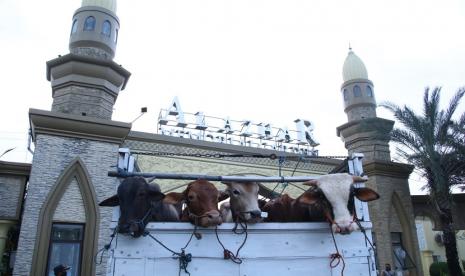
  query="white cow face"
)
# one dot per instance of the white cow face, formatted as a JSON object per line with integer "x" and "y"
{"x": 339, "y": 191}
{"x": 243, "y": 199}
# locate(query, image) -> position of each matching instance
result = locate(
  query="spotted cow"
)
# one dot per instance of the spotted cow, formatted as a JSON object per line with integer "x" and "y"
{"x": 330, "y": 197}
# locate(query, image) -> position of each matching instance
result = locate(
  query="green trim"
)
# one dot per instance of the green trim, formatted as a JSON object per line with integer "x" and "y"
{"x": 76, "y": 169}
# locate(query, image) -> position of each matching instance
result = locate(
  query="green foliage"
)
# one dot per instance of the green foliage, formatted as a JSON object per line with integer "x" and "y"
{"x": 439, "y": 269}
{"x": 432, "y": 141}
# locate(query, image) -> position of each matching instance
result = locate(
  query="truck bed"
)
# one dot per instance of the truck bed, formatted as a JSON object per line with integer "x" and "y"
{"x": 271, "y": 249}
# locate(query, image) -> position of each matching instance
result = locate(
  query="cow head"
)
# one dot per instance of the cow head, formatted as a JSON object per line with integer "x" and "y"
{"x": 135, "y": 198}
{"x": 243, "y": 200}
{"x": 201, "y": 198}
{"x": 337, "y": 191}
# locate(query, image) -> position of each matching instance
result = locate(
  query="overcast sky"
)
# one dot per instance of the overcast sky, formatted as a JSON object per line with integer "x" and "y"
{"x": 263, "y": 60}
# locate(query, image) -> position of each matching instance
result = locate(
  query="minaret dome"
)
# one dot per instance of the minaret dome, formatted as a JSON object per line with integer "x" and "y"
{"x": 357, "y": 89}
{"x": 353, "y": 68}
{"x": 107, "y": 4}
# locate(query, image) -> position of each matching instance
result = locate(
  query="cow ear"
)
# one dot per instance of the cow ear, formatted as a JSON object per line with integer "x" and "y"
{"x": 155, "y": 193}
{"x": 110, "y": 202}
{"x": 365, "y": 194}
{"x": 227, "y": 183}
{"x": 312, "y": 182}
{"x": 308, "y": 198}
{"x": 173, "y": 198}
{"x": 222, "y": 195}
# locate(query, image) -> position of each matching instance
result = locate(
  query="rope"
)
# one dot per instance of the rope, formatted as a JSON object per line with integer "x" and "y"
{"x": 362, "y": 229}
{"x": 105, "y": 248}
{"x": 336, "y": 258}
{"x": 208, "y": 155}
{"x": 227, "y": 254}
{"x": 218, "y": 155}
{"x": 184, "y": 259}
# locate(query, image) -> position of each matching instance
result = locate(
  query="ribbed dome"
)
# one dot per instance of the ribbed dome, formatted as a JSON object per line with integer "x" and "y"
{"x": 107, "y": 4}
{"x": 353, "y": 68}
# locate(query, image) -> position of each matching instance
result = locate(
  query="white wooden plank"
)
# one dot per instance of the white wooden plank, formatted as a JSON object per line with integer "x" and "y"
{"x": 278, "y": 267}
{"x": 298, "y": 244}
{"x": 197, "y": 267}
{"x": 129, "y": 267}
{"x": 273, "y": 248}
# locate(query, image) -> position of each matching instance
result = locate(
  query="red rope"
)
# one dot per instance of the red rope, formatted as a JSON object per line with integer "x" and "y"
{"x": 336, "y": 258}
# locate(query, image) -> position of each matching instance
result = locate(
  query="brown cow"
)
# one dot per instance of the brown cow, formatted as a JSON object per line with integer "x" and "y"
{"x": 330, "y": 197}
{"x": 243, "y": 202}
{"x": 201, "y": 198}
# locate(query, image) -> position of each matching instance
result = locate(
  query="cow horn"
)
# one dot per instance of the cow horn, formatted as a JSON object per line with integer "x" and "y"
{"x": 150, "y": 179}
{"x": 359, "y": 178}
{"x": 312, "y": 182}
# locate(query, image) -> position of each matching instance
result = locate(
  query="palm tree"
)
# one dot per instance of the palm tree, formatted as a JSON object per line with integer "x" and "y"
{"x": 435, "y": 143}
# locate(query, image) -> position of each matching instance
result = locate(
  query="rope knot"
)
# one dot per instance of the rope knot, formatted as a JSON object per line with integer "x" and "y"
{"x": 184, "y": 260}
{"x": 335, "y": 259}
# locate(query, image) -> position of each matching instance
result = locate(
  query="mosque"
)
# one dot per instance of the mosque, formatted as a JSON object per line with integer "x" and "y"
{"x": 77, "y": 143}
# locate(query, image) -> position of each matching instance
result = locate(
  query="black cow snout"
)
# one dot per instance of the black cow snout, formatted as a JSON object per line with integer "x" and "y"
{"x": 256, "y": 214}
{"x": 123, "y": 228}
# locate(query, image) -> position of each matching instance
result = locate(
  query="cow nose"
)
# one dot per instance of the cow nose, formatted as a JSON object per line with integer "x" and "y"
{"x": 344, "y": 230}
{"x": 256, "y": 214}
{"x": 213, "y": 214}
{"x": 212, "y": 218}
{"x": 123, "y": 228}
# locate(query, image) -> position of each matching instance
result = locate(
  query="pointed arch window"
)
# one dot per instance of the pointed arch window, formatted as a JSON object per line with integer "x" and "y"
{"x": 116, "y": 36}
{"x": 89, "y": 24}
{"x": 85, "y": 234}
{"x": 346, "y": 95}
{"x": 357, "y": 91}
{"x": 369, "y": 91}
{"x": 106, "y": 28}
{"x": 74, "y": 27}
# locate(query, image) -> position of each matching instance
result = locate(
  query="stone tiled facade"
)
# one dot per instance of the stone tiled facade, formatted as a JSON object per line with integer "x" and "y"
{"x": 71, "y": 206}
{"x": 79, "y": 100}
{"x": 10, "y": 193}
{"x": 53, "y": 154}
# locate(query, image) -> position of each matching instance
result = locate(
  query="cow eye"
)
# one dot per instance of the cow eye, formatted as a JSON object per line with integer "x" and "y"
{"x": 236, "y": 192}
{"x": 191, "y": 197}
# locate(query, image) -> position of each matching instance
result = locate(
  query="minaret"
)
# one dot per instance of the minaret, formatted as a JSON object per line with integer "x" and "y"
{"x": 86, "y": 82}
{"x": 364, "y": 132}
{"x": 76, "y": 143}
{"x": 357, "y": 89}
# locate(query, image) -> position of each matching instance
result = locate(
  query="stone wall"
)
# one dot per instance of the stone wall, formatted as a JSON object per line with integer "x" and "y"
{"x": 393, "y": 212}
{"x": 52, "y": 155}
{"x": 78, "y": 100}
{"x": 71, "y": 207}
{"x": 10, "y": 193}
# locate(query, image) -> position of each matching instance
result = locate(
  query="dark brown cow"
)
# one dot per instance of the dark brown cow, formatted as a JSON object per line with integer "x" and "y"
{"x": 139, "y": 203}
{"x": 330, "y": 197}
{"x": 201, "y": 198}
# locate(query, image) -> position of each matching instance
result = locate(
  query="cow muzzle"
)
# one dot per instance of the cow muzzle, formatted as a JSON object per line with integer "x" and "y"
{"x": 210, "y": 218}
{"x": 134, "y": 229}
{"x": 344, "y": 227}
{"x": 251, "y": 216}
